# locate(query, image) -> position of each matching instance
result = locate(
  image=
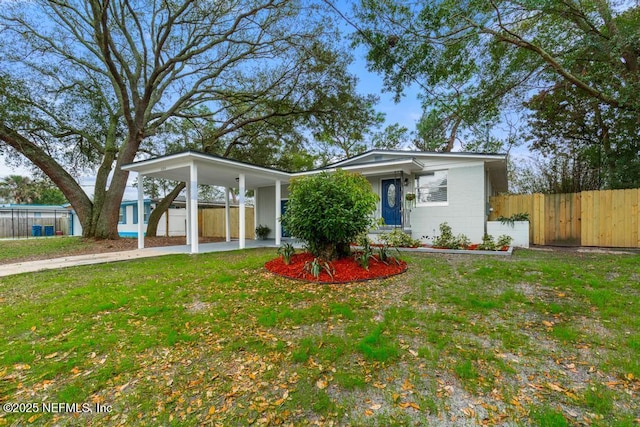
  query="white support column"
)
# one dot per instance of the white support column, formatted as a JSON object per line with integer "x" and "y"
{"x": 278, "y": 212}
{"x": 187, "y": 200}
{"x": 242, "y": 221}
{"x": 227, "y": 223}
{"x": 194, "y": 207}
{"x": 255, "y": 212}
{"x": 140, "y": 211}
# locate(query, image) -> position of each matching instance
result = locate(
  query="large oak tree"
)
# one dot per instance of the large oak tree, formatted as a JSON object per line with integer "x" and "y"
{"x": 476, "y": 60}
{"x": 89, "y": 85}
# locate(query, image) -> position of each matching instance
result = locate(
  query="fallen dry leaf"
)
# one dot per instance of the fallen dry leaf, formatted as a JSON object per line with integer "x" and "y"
{"x": 555, "y": 387}
{"x": 469, "y": 412}
{"x": 409, "y": 405}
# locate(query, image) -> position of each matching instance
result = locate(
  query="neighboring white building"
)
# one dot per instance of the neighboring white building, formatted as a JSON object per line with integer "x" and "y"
{"x": 128, "y": 220}
{"x": 447, "y": 187}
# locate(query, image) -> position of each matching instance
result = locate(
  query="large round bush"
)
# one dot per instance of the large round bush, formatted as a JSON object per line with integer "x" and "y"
{"x": 329, "y": 210}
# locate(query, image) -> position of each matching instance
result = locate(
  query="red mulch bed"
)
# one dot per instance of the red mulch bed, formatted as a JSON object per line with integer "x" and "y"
{"x": 345, "y": 270}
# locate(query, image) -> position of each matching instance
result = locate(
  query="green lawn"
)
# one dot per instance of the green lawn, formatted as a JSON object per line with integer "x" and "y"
{"x": 540, "y": 338}
{"x": 21, "y": 248}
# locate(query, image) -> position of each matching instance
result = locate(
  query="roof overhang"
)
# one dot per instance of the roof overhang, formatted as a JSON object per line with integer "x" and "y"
{"x": 212, "y": 170}
{"x": 406, "y": 165}
{"x": 365, "y": 157}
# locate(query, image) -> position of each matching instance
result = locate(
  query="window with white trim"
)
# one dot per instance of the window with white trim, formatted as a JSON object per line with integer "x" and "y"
{"x": 122, "y": 219}
{"x": 431, "y": 188}
{"x": 147, "y": 213}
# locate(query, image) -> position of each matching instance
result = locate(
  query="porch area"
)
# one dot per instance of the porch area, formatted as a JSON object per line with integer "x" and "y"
{"x": 196, "y": 169}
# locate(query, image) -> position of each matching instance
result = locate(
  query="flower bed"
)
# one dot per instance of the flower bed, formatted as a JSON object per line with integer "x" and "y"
{"x": 472, "y": 247}
{"x": 345, "y": 270}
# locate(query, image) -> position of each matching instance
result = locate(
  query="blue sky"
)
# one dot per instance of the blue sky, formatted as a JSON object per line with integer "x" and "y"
{"x": 406, "y": 112}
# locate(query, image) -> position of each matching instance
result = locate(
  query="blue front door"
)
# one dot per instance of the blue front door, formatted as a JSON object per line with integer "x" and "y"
{"x": 391, "y": 202}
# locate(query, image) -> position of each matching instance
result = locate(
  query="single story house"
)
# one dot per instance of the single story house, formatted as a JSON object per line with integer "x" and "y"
{"x": 418, "y": 190}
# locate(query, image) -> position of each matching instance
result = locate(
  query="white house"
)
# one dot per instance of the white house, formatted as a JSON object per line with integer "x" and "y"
{"x": 447, "y": 187}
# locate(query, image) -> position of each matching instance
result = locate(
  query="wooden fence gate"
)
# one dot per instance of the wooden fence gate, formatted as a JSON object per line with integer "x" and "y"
{"x": 211, "y": 222}
{"x": 606, "y": 218}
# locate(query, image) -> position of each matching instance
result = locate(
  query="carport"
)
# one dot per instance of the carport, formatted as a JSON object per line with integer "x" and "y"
{"x": 194, "y": 168}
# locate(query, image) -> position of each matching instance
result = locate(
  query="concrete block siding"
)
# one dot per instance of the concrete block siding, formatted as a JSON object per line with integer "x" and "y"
{"x": 465, "y": 211}
{"x": 266, "y": 206}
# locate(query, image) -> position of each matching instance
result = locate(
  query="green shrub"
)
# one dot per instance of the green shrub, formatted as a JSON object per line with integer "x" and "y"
{"x": 365, "y": 255}
{"x": 262, "y": 231}
{"x": 286, "y": 251}
{"x": 447, "y": 240}
{"x": 504, "y": 240}
{"x": 487, "y": 243}
{"x": 316, "y": 267}
{"x": 398, "y": 239}
{"x": 520, "y": 216}
{"x": 385, "y": 257}
{"x": 328, "y": 211}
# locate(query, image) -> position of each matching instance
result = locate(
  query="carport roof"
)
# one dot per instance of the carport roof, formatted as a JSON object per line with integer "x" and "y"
{"x": 212, "y": 170}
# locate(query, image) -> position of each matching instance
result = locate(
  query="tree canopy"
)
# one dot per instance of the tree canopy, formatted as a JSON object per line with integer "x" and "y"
{"x": 91, "y": 86}
{"x": 477, "y": 62}
{"x": 20, "y": 189}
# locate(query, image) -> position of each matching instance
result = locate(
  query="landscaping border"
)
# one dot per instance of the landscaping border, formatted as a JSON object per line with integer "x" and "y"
{"x": 344, "y": 282}
{"x": 508, "y": 252}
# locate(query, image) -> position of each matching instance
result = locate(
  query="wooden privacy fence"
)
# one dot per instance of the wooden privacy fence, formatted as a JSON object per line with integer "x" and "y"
{"x": 211, "y": 222}
{"x": 606, "y": 218}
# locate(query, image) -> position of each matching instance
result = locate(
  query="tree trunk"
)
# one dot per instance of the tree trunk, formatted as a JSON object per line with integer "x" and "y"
{"x": 161, "y": 207}
{"x": 454, "y": 134}
{"x": 106, "y": 225}
{"x": 331, "y": 251}
{"x": 58, "y": 175}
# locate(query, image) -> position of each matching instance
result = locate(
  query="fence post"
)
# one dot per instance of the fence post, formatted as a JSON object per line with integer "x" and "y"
{"x": 539, "y": 219}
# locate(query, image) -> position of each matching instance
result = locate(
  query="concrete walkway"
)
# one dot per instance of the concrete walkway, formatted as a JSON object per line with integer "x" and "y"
{"x": 106, "y": 257}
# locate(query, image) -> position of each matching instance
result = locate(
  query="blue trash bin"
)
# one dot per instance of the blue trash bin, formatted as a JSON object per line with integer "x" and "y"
{"x": 36, "y": 230}
{"x": 48, "y": 230}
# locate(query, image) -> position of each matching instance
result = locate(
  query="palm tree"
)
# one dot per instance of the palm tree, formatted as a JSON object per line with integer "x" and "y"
{"x": 17, "y": 189}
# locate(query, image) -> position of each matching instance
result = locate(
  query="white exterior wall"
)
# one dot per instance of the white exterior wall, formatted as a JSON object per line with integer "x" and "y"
{"x": 465, "y": 211}
{"x": 266, "y": 202}
{"x": 519, "y": 232}
{"x": 375, "y": 186}
{"x": 177, "y": 223}
{"x": 77, "y": 227}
